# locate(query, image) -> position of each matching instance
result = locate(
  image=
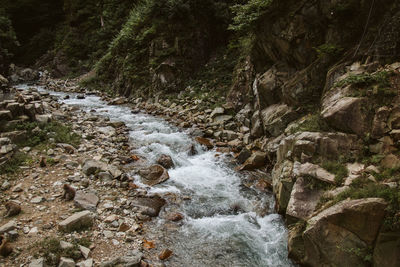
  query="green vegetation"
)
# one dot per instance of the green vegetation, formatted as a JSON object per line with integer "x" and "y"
{"x": 247, "y": 14}
{"x": 381, "y": 78}
{"x": 364, "y": 253}
{"x": 51, "y": 250}
{"x": 12, "y": 166}
{"x": 336, "y": 168}
{"x": 8, "y": 40}
{"x": 316, "y": 184}
{"x": 41, "y": 134}
{"x": 328, "y": 50}
{"x": 311, "y": 123}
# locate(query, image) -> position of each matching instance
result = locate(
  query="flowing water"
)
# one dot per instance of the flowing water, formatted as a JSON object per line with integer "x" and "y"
{"x": 213, "y": 232}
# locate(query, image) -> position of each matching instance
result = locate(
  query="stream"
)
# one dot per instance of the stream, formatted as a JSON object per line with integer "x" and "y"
{"x": 222, "y": 223}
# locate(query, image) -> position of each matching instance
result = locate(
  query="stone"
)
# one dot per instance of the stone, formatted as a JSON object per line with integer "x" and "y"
{"x": 165, "y": 161}
{"x": 66, "y": 245}
{"x": 309, "y": 169}
{"x": 379, "y": 125}
{"x": 165, "y": 254}
{"x": 67, "y": 148}
{"x": 390, "y": 161}
{"x": 346, "y": 114}
{"x": 92, "y": 167}
{"x": 38, "y": 263}
{"x": 133, "y": 259}
{"x": 217, "y": 111}
{"x": 243, "y": 155}
{"x": 11, "y": 225}
{"x": 255, "y": 161}
{"x": 45, "y": 118}
{"x": 221, "y": 119}
{"x": 149, "y": 206}
{"x": 5, "y": 115}
{"x": 256, "y": 125}
{"x": 77, "y": 221}
{"x": 303, "y": 201}
{"x": 107, "y": 130}
{"x": 66, "y": 262}
{"x": 17, "y": 188}
{"x": 332, "y": 235}
{"x": 282, "y": 184}
{"x": 204, "y": 142}
{"x": 37, "y": 200}
{"x": 154, "y": 174}
{"x": 175, "y": 217}
{"x": 275, "y": 118}
{"x": 85, "y": 251}
{"x": 87, "y": 201}
{"x": 386, "y": 251}
{"x": 86, "y": 263}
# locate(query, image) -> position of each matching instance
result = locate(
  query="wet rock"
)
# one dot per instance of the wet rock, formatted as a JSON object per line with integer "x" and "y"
{"x": 331, "y": 236}
{"x": 243, "y": 156}
{"x": 175, "y": 217}
{"x": 204, "y": 142}
{"x": 87, "y": 201}
{"x": 80, "y": 96}
{"x": 255, "y": 161}
{"x": 77, "y": 221}
{"x": 165, "y": 161}
{"x": 154, "y": 174}
{"x": 131, "y": 260}
{"x": 165, "y": 254}
{"x": 66, "y": 262}
{"x": 149, "y": 206}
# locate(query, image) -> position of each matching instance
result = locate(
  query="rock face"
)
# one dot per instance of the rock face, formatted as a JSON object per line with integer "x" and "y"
{"x": 331, "y": 235}
{"x": 276, "y": 117}
{"x": 77, "y": 221}
{"x": 386, "y": 252}
{"x": 154, "y": 174}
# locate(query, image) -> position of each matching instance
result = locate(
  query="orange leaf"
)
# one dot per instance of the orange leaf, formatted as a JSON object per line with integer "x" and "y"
{"x": 148, "y": 244}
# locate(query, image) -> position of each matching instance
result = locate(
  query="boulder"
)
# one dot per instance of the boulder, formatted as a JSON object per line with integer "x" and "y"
{"x": 11, "y": 225}
{"x": 92, "y": 167}
{"x": 379, "y": 123}
{"x": 282, "y": 184}
{"x": 256, "y": 125}
{"x": 87, "y": 201}
{"x": 255, "y": 161}
{"x": 332, "y": 235}
{"x": 268, "y": 88}
{"x": 275, "y": 118}
{"x": 45, "y": 118}
{"x": 165, "y": 161}
{"x": 386, "y": 251}
{"x": 77, "y": 221}
{"x": 38, "y": 263}
{"x": 149, "y": 206}
{"x": 346, "y": 114}
{"x": 66, "y": 262}
{"x": 154, "y": 174}
{"x": 303, "y": 201}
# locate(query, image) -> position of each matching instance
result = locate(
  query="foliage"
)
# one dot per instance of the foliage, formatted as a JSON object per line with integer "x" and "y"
{"x": 366, "y": 79}
{"x": 8, "y": 40}
{"x": 248, "y": 13}
{"x": 51, "y": 250}
{"x": 336, "y": 168}
{"x": 328, "y": 50}
{"x": 14, "y": 163}
{"x": 312, "y": 123}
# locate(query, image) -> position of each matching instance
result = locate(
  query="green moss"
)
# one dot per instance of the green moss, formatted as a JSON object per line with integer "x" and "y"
{"x": 312, "y": 123}
{"x": 380, "y": 78}
{"x": 338, "y": 169}
{"x": 328, "y": 50}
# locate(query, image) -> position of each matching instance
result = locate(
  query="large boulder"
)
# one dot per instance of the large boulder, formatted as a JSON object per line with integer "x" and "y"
{"x": 154, "y": 174}
{"x": 77, "y": 222}
{"x": 282, "y": 184}
{"x": 150, "y": 206}
{"x": 313, "y": 170}
{"x": 255, "y": 161}
{"x": 303, "y": 200}
{"x": 347, "y": 114}
{"x": 275, "y": 118}
{"x": 87, "y": 201}
{"x": 331, "y": 236}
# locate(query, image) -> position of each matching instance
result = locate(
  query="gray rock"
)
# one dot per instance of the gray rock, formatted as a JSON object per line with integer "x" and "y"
{"x": 275, "y": 118}
{"x": 45, "y": 118}
{"x": 37, "y": 200}
{"x": 85, "y": 251}
{"x": 92, "y": 167}
{"x": 154, "y": 174}
{"x": 131, "y": 260}
{"x": 86, "y": 263}
{"x": 66, "y": 245}
{"x": 222, "y": 119}
{"x": 108, "y": 130}
{"x": 66, "y": 262}
{"x": 309, "y": 169}
{"x": 38, "y": 263}
{"x": 87, "y": 201}
{"x": 77, "y": 221}
{"x": 217, "y": 111}
{"x": 11, "y": 225}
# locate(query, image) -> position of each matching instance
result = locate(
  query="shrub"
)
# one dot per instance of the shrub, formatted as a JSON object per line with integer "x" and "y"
{"x": 338, "y": 169}
{"x": 246, "y": 15}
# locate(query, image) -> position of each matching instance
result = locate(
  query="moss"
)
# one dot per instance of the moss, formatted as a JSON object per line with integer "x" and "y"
{"x": 337, "y": 168}
{"x": 312, "y": 123}
{"x": 328, "y": 50}
{"x": 381, "y": 78}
